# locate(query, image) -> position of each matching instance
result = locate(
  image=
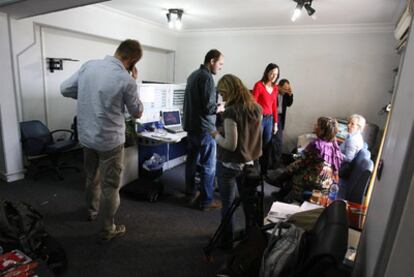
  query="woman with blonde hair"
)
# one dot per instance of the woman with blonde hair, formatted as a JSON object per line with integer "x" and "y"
{"x": 239, "y": 144}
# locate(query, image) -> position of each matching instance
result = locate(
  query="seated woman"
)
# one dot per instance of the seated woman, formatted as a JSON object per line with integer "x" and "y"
{"x": 354, "y": 140}
{"x": 317, "y": 168}
{"x": 239, "y": 143}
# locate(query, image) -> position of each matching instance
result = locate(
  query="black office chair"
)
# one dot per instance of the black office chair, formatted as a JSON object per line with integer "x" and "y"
{"x": 327, "y": 242}
{"x": 353, "y": 187}
{"x": 38, "y": 142}
{"x": 74, "y": 127}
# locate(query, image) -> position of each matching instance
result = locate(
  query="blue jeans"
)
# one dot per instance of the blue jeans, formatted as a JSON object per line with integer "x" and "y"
{"x": 230, "y": 181}
{"x": 277, "y": 145}
{"x": 267, "y": 127}
{"x": 201, "y": 150}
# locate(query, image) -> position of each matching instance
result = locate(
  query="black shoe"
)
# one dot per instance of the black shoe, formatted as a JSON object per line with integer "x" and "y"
{"x": 92, "y": 217}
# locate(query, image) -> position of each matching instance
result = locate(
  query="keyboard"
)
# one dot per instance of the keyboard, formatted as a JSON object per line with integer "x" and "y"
{"x": 174, "y": 129}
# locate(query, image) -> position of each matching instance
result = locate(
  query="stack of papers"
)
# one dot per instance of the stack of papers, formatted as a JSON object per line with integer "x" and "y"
{"x": 282, "y": 211}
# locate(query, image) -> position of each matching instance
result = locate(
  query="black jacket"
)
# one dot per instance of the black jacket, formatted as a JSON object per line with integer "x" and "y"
{"x": 287, "y": 102}
{"x": 200, "y": 102}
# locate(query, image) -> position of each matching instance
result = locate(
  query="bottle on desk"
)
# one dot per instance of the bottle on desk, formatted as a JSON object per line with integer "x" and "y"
{"x": 333, "y": 192}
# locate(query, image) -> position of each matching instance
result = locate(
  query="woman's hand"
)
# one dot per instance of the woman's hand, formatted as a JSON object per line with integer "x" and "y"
{"x": 214, "y": 133}
{"x": 275, "y": 128}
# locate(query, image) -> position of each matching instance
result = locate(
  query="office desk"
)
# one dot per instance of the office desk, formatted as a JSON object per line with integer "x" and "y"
{"x": 160, "y": 139}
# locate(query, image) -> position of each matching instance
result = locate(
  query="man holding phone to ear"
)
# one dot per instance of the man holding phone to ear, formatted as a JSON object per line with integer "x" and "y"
{"x": 103, "y": 88}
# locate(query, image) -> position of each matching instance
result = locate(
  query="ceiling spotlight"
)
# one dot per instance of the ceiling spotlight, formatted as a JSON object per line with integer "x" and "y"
{"x": 309, "y": 9}
{"x": 298, "y": 10}
{"x": 174, "y": 18}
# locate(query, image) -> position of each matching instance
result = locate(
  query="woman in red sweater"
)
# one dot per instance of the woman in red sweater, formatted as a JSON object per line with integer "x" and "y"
{"x": 265, "y": 93}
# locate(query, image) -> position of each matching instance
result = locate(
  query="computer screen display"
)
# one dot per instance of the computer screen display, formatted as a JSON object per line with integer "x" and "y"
{"x": 171, "y": 118}
{"x": 342, "y": 129}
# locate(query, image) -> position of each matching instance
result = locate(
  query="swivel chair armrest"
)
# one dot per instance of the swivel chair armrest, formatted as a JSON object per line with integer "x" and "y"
{"x": 63, "y": 131}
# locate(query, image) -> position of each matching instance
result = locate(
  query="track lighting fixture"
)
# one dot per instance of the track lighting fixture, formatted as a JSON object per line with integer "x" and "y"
{"x": 174, "y": 17}
{"x": 298, "y": 10}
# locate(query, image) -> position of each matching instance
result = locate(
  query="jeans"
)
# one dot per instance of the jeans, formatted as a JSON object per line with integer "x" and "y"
{"x": 201, "y": 150}
{"x": 267, "y": 127}
{"x": 230, "y": 181}
{"x": 103, "y": 177}
{"x": 277, "y": 145}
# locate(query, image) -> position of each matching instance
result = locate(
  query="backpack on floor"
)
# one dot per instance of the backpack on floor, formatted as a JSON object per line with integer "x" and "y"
{"x": 247, "y": 255}
{"x": 284, "y": 252}
{"x": 21, "y": 227}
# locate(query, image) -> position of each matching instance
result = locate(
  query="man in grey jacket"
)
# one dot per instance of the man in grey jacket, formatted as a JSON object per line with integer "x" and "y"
{"x": 200, "y": 107}
{"x": 103, "y": 88}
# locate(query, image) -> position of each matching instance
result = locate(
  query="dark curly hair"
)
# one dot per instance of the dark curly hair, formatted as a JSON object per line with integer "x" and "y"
{"x": 328, "y": 128}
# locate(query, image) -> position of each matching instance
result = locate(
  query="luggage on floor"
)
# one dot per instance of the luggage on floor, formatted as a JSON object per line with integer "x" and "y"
{"x": 284, "y": 249}
{"x": 22, "y": 227}
{"x": 143, "y": 189}
{"x": 245, "y": 258}
{"x": 15, "y": 263}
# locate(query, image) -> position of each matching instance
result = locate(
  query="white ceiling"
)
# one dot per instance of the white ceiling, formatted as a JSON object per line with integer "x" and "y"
{"x": 25, "y": 8}
{"x": 219, "y": 14}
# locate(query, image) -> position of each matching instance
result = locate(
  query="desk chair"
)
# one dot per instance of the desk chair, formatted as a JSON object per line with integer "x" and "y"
{"x": 74, "y": 128}
{"x": 38, "y": 142}
{"x": 327, "y": 242}
{"x": 354, "y": 186}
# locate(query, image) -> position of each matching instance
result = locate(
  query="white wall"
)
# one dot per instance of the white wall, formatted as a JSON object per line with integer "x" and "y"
{"x": 11, "y": 165}
{"x": 334, "y": 72}
{"x": 62, "y": 35}
{"x": 24, "y": 70}
{"x": 386, "y": 247}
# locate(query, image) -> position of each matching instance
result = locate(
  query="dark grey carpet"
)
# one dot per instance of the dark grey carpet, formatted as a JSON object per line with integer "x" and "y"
{"x": 163, "y": 238}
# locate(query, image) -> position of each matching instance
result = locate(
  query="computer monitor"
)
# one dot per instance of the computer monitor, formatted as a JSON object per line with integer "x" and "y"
{"x": 171, "y": 118}
{"x": 342, "y": 129}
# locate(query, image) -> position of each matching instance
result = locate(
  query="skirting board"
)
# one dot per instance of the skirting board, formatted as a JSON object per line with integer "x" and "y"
{"x": 12, "y": 177}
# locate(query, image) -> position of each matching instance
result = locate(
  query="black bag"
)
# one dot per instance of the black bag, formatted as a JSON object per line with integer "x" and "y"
{"x": 247, "y": 255}
{"x": 143, "y": 189}
{"x": 21, "y": 227}
{"x": 284, "y": 253}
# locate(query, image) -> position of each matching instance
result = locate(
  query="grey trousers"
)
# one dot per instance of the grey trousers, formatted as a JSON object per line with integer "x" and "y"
{"x": 103, "y": 177}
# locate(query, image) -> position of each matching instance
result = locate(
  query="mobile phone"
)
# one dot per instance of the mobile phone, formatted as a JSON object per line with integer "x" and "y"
{"x": 131, "y": 67}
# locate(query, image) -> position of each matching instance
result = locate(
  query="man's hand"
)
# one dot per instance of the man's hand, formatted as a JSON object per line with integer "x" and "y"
{"x": 275, "y": 128}
{"x": 214, "y": 133}
{"x": 134, "y": 72}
